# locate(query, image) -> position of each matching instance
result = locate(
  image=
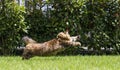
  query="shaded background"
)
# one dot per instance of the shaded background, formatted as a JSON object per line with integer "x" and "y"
{"x": 97, "y": 21}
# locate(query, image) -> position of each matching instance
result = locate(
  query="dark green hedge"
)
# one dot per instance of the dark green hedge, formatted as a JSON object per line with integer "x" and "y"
{"x": 12, "y": 25}
{"x": 97, "y": 21}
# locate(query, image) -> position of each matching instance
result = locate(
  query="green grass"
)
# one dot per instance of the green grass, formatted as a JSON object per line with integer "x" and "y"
{"x": 61, "y": 63}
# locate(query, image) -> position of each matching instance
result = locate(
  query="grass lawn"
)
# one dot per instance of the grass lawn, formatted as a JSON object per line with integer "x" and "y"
{"x": 61, "y": 63}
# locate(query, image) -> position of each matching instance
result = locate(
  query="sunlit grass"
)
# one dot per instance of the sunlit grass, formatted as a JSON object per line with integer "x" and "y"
{"x": 61, "y": 63}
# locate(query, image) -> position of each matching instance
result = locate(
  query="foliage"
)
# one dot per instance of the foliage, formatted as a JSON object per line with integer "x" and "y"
{"x": 97, "y": 21}
{"x": 102, "y": 23}
{"x": 46, "y": 23}
{"x": 66, "y": 11}
{"x": 93, "y": 20}
{"x": 12, "y": 25}
{"x": 40, "y": 26}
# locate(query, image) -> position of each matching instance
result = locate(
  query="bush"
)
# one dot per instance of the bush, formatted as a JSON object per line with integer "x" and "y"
{"x": 97, "y": 21}
{"x": 102, "y": 24}
{"x": 12, "y": 25}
